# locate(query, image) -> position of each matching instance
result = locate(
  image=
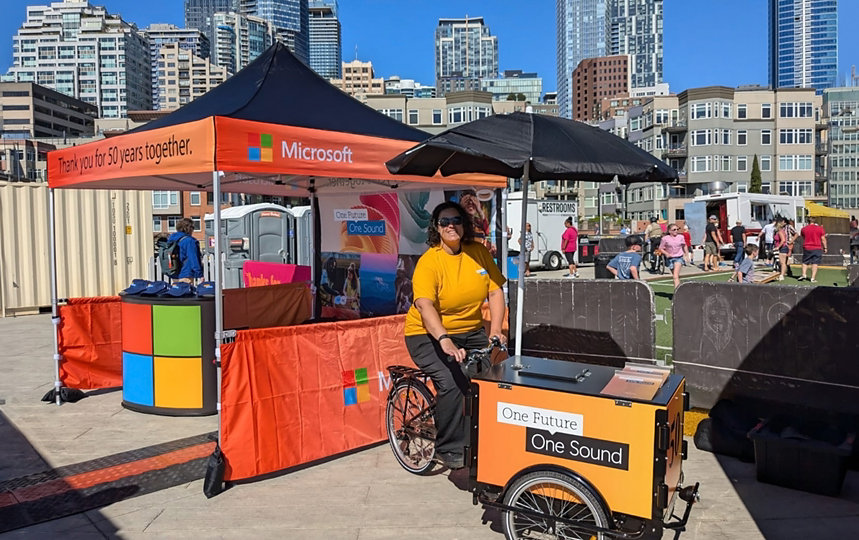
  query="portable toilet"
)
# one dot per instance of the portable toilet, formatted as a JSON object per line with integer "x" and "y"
{"x": 255, "y": 232}
{"x": 301, "y": 236}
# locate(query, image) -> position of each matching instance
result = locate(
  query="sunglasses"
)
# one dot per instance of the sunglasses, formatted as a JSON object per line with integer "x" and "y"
{"x": 673, "y": 230}
{"x": 445, "y": 221}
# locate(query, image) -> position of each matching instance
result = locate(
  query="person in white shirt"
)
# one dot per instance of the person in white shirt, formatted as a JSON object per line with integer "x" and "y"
{"x": 768, "y": 234}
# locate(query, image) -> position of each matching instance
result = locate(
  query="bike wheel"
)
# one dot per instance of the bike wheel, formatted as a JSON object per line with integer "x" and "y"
{"x": 660, "y": 265}
{"x": 411, "y": 426}
{"x": 549, "y": 493}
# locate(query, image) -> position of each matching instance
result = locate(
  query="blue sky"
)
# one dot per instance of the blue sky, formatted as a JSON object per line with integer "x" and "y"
{"x": 707, "y": 42}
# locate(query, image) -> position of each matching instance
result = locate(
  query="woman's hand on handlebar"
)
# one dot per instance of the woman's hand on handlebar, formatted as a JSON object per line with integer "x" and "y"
{"x": 502, "y": 339}
{"x": 450, "y": 349}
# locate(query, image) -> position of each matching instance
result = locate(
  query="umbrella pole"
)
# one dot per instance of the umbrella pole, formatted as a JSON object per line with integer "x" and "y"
{"x": 219, "y": 306}
{"x": 55, "y": 310}
{"x": 520, "y": 292}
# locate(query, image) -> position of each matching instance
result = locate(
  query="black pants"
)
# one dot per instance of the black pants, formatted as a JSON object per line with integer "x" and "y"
{"x": 451, "y": 384}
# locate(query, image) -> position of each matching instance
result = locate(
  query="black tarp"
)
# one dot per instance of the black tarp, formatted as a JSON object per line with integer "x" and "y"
{"x": 277, "y": 88}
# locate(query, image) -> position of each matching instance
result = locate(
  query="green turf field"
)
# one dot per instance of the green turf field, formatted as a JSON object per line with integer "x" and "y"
{"x": 663, "y": 292}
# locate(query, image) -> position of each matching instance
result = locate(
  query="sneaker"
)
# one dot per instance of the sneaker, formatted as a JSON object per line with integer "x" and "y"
{"x": 781, "y": 278}
{"x": 813, "y": 281}
{"x": 450, "y": 460}
{"x": 801, "y": 278}
{"x": 576, "y": 275}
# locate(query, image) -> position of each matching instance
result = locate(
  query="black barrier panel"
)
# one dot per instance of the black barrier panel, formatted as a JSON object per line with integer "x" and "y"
{"x": 596, "y": 321}
{"x": 853, "y": 275}
{"x": 777, "y": 345}
{"x": 612, "y": 244}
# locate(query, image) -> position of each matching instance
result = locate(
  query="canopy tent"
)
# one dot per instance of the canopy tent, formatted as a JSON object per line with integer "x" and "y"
{"x": 818, "y": 210}
{"x": 274, "y": 128}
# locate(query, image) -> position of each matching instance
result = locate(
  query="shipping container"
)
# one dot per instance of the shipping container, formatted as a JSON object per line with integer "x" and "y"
{"x": 104, "y": 240}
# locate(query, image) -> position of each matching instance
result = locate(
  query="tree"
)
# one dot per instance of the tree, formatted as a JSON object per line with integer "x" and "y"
{"x": 521, "y": 97}
{"x": 755, "y": 183}
{"x": 511, "y": 97}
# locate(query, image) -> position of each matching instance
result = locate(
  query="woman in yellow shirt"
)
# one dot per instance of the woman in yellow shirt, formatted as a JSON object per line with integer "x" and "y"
{"x": 451, "y": 281}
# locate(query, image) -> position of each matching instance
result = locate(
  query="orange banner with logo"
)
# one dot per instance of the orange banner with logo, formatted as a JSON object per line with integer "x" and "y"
{"x": 181, "y": 149}
{"x": 256, "y": 147}
{"x": 292, "y": 395}
{"x": 90, "y": 342}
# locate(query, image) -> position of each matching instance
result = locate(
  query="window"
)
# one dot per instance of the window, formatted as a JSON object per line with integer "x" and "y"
{"x": 726, "y": 110}
{"x": 197, "y": 224}
{"x": 413, "y": 117}
{"x": 795, "y": 110}
{"x": 766, "y": 163}
{"x": 742, "y": 163}
{"x": 795, "y": 136}
{"x": 766, "y": 110}
{"x": 436, "y": 117}
{"x": 195, "y": 198}
{"x": 701, "y": 137}
{"x": 795, "y": 163}
{"x": 156, "y": 224}
{"x": 741, "y": 110}
{"x": 766, "y": 136}
{"x": 171, "y": 223}
{"x": 701, "y": 163}
{"x": 726, "y": 163}
{"x": 164, "y": 199}
{"x": 742, "y": 135}
{"x": 726, "y": 136}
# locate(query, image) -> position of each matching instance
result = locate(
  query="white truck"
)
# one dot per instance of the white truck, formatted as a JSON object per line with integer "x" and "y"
{"x": 754, "y": 210}
{"x": 547, "y": 225}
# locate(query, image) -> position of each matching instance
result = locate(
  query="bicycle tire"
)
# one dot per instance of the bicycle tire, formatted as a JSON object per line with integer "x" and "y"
{"x": 555, "y": 494}
{"x": 413, "y": 446}
{"x": 660, "y": 265}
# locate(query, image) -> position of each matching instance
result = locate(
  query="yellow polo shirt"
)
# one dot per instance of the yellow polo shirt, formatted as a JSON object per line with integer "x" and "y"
{"x": 456, "y": 284}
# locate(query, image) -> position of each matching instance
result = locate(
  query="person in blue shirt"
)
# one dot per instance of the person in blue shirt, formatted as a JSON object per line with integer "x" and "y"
{"x": 189, "y": 252}
{"x": 625, "y": 265}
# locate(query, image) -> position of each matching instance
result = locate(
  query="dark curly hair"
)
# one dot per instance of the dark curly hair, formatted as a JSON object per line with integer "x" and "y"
{"x": 433, "y": 236}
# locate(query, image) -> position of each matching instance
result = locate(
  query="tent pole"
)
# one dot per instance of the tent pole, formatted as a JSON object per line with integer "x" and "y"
{"x": 504, "y": 248}
{"x": 55, "y": 310}
{"x": 219, "y": 306}
{"x": 520, "y": 292}
{"x": 315, "y": 241}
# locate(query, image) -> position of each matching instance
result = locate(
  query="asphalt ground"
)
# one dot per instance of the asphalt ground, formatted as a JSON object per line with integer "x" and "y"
{"x": 363, "y": 495}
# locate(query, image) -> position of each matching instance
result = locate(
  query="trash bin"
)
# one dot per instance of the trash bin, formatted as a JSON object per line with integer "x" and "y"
{"x": 512, "y": 268}
{"x": 601, "y": 261}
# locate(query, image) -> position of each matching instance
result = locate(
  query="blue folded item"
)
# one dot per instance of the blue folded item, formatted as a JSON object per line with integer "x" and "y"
{"x": 156, "y": 288}
{"x": 137, "y": 286}
{"x": 180, "y": 289}
{"x": 206, "y": 288}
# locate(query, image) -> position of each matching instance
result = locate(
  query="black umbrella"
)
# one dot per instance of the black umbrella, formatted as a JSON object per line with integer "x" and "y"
{"x": 531, "y": 147}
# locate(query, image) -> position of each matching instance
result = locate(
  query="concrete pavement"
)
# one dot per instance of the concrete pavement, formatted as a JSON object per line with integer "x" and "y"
{"x": 364, "y": 495}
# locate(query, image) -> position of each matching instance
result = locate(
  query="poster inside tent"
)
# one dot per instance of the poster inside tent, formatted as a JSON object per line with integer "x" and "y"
{"x": 371, "y": 244}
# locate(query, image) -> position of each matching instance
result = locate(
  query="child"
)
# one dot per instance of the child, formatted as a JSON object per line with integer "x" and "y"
{"x": 625, "y": 265}
{"x": 746, "y": 270}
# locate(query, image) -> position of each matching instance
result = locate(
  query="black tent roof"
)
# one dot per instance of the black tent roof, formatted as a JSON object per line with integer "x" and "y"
{"x": 277, "y": 88}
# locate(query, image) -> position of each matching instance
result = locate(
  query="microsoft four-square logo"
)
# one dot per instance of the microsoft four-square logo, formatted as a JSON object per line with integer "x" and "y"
{"x": 356, "y": 386}
{"x": 260, "y": 147}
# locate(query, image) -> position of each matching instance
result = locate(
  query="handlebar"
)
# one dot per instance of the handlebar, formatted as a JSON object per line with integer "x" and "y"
{"x": 471, "y": 364}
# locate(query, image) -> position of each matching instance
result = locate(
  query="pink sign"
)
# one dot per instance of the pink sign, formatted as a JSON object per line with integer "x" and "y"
{"x": 258, "y": 273}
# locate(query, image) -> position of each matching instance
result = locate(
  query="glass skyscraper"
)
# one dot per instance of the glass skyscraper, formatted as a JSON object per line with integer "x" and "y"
{"x": 593, "y": 28}
{"x": 199, "y": 14}
{"x": 465, "y": 52}
{"x": 325, "y": 41}
{"x": 290, "y": 19}
{"x": 803, "y": 44}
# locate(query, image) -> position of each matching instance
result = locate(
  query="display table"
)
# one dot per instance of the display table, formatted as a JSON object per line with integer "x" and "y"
{"x": 167, "y": 355}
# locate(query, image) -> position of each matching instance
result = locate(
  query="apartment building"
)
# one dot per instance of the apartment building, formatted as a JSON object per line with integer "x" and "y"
{"x": 841, "y": 116}
{"x": 594, "y": 80}
{"x": 359, "y": 80}
{"x": 191, "y": 40}
{"x": 183, "y": 76}
{"x": 325, "y": 42}
{"x": 239, "y": 39}
{"x": 83, "y": 51}
{"x": 465, "y": 52}
{"x": 514, "y": 82}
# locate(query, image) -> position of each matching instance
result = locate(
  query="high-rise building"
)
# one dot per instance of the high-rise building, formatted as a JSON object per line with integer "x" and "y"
{"x": 290, "y": 19}
{"x": 183, "y": 76}
{"x": 465, "y": 52}
{"x": 359, "y": 80}
{"x": 593, "y": 28}
{"x": 28, "y": 110}
{"x": 636, "y": 30}
{"x": 200, "y": 14}
{"x": 803, "y": 44}
{"x": 516, "y": 83}
{"x": 325, "y": 42}
{"x": 239, "y": 39}
{"x": 841, "y": 113}
{"x": 191, "y": 40}
{"x": 595, "y": 79}
{"x": 82, "y": 51}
